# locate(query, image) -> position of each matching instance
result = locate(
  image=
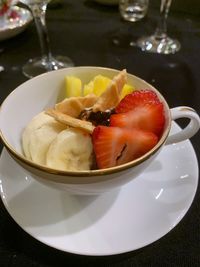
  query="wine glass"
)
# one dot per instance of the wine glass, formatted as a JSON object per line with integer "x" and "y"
{"x": 160, "y": 42}
{"x": 46, "y": 62}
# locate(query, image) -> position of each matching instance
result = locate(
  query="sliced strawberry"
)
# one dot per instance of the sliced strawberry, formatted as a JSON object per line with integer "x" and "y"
{"x": 147, "y": 117}
{"x": 136, "y": 99}
{"x": 115, "y": 146}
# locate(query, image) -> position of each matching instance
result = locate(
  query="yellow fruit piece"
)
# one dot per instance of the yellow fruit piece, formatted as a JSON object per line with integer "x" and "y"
{"x": 127, "y": 89}
{"x": 88, "y": 88}
{"x": 97, "y": 86}
{"x": 100, "y": 84}
{"x": 73, "y": 86}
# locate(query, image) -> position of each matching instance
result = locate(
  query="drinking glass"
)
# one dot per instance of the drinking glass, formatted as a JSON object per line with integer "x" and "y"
{"x": 160, "y": 42}
{"x": 133, "y": 10}
{"x": 46, "y": 62}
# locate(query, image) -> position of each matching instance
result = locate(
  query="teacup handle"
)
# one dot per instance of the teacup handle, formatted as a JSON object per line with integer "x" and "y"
{"x": 192, "y": 127}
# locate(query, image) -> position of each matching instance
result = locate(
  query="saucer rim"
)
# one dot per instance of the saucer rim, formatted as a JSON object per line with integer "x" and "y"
{"x": 190, "y": 201}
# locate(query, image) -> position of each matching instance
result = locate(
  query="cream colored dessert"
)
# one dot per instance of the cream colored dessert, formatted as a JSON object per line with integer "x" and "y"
{"x": 71, "y": 150}
{"x": 48, "y": 142}
{"x": 41, "y": 139}
{"x": 36, "y": 123}
{"x": 59, "y": 139}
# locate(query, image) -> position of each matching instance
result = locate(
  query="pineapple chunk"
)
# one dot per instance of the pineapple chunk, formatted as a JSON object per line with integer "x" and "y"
{"x": 127, "y": 89}
{"x": 88, "y": 88}
{"x": 100, "y": 84}
{"x": 97, "y": 86}
{"x": 73, "y": 86}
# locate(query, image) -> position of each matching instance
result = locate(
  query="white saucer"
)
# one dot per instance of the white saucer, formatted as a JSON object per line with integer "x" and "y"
{"x": 120, "y": 221}
{"x": 11, "y": 27}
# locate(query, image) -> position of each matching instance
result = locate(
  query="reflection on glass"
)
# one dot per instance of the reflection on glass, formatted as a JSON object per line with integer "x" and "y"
{"x": 47, "y": 62}
{"x": 160, "y": 42}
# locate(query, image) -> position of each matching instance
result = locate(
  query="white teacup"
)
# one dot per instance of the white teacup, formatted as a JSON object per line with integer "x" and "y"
{"x": 44, "y": 91}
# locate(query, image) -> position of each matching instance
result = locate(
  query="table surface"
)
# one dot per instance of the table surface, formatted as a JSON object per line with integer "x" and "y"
{"x": 84, "y": 30}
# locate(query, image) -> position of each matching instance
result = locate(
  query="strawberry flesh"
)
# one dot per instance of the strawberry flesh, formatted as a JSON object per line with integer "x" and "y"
{"x": 114, "y": 146}
{"x": 136, "y": 99}
{"x": 149, "y": 117}
{"x": 141, "y": 109}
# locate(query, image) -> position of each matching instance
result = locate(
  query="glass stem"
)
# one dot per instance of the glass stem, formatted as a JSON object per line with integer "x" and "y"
{"x": 39, "y": 15}
{"x": 161, "y": 30}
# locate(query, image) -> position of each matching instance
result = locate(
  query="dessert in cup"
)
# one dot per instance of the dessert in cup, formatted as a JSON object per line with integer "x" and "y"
{"x": 93, "y": 142}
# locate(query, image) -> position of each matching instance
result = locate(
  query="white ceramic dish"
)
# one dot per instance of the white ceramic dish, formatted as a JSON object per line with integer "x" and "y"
{"x": 11, "y": 27}
{"x": 124, "y": 220}
{"x": 43, "y": 92}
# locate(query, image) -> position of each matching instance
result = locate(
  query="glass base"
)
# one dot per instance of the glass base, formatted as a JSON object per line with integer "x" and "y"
{"x": 161, "y": 45}
{"x": 38, "y": 66}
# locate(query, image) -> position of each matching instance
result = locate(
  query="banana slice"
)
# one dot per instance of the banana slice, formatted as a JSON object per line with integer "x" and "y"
{"x": 41, "y": 138}
{"x": 71, "y": 150}
{"x": 37, "y": 122}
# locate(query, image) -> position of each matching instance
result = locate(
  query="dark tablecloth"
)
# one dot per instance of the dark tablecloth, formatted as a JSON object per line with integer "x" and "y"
{"x": 84, "y": 31}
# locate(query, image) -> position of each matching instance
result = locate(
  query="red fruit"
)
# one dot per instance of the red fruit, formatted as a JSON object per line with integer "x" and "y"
{"x": 13, "y": 15}
{"x": 136, "y": 99}
{"x": 4, "y": 9}
{"x": 115, "y": 146}
{"x": 149, "y": 117}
